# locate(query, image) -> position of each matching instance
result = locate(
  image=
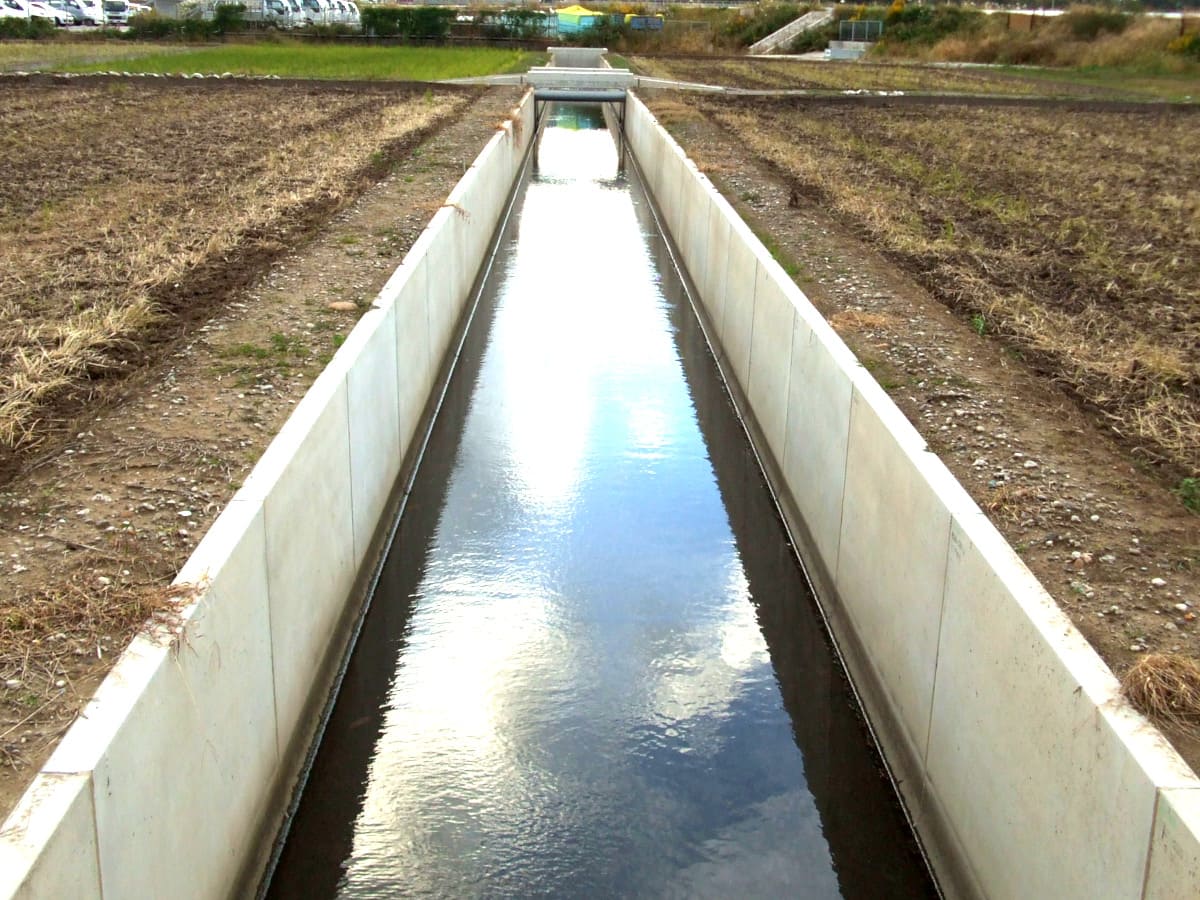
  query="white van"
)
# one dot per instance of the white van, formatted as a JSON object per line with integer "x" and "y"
{"x": 316, "y": 12}
{"x": 116, "y": 12}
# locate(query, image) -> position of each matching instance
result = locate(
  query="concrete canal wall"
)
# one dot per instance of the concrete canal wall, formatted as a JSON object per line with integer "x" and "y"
{"x": 1026, "y": 773}
{"x": 174, "y": 777}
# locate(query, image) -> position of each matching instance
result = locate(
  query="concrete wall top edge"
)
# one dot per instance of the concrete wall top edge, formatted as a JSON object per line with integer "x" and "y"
{"x": 868, "y": 390}
{"x": 1087, "y": 670}
{"x": 28, "y": 836}
{"x": 308, "y": 411}
{"x": 225, "y": 533}
{"x": 88, "y": 739}
{"x": 368, "y": 323}
{"x": 462, "y": 188}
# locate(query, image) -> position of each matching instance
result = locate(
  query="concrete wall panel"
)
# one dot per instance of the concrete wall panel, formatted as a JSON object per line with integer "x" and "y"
{"x": 669, "y": 188}
{"x": 737, "y": 323}
{"x": 372, "y": 385}
{"x": 311, "y": 569}
{"x": 892, "y": 561}
{"x": 695, "y": 201}
{"x": 467, "y": 201}
{"x": 444, "y": 280}
{"x": 818, "y": 432}
{"x": 415, "y": 365}
{"x": 714, "y": 283}
{"x": 771, "y": 360}
{"x": 1175, "y": 852}
{"x": 1011, "y": 668}
{"x": 49, "y": 842}
{"x": 222, "y": 663}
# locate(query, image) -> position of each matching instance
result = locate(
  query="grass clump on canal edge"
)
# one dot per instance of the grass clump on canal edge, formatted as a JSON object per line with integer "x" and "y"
{"x": 1166, "y": 687}
{"x": 289, "y": 59}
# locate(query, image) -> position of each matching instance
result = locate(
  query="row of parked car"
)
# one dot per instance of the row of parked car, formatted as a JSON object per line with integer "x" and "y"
{"x": 72, "y": 12}
{"x": 301, "y": 13}
{"x": 279, "y": 13}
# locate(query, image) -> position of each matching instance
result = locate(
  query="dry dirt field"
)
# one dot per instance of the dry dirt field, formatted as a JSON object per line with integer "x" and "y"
{"x": 792, "y": 74}
{"x": 177, "y": 265}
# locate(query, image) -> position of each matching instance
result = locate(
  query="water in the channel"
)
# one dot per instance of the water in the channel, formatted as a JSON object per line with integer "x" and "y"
{"x": 592, "y": 667}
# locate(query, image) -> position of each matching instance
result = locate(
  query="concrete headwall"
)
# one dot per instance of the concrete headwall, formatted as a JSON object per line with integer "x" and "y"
{"x": 1025, "y": 771}
{"x": 578, "y": 57}
{"x": 177, "y": 770}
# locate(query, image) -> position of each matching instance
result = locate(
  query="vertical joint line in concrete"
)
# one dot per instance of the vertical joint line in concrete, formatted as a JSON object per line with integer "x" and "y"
{"x": 1158, "y": 802}
{"x": 837, "y": 553}
{"x": 937, "y": 648}
{"x": 96, "y": 831}
{"x": 355, "y": 551}
{"x": 266, "y": 564}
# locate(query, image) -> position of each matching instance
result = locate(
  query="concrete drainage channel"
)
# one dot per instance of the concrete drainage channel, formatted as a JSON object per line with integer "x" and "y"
{"x": 1025, "y": 772}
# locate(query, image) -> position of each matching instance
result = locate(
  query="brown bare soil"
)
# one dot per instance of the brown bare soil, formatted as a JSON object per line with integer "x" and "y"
{"x": 854, "y": 201}
{"x": 132, "y": 199}
{"x": 790, "y": 74}
{"x": 1077, "y": 239}
{"x": 253, "y": 221}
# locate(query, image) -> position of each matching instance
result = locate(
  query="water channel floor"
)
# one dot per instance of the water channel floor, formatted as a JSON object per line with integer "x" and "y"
{"x": 592, "y": 667}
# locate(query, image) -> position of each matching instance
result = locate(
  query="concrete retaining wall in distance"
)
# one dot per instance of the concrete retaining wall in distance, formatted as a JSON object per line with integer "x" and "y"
{"x": 1026, "y": 773}
{"x": 179, "y": 767}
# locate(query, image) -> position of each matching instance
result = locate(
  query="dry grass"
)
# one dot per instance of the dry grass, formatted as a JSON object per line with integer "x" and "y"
{"x": 132, "y": 194}
{"x": 791, "y": 74}
{"x": 50, "y": 638}
{"x": 860, "y": 320}
{"x": 1166, "y": 688}
{"x": 1076, "y": 235}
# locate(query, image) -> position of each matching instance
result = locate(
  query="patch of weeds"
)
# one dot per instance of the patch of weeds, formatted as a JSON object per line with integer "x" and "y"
{"x": 286, "y": 348}
{"x": 979, "y": 324}
{"x": 1188, "y": 490}
{"x": 882, "y": 372}
{"x": 338, "y": 340}
{"x": 348, "y": 240}
{"x": 789, "y": 265}
{"x": 245, "y": 351}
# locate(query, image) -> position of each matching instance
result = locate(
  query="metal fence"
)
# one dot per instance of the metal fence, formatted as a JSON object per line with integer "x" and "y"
{"x": 860, "y": 30}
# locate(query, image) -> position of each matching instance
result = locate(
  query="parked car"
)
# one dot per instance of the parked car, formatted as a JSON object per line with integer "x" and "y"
{"x": 316, "y": 12}
{"x": 116, "y": 12}
{"x": 271, "y": 12}
{"x": 61, "y": 17}
{"x": 74, "y": 13}
{"x": 35, "y": 10}
{"x": 91, "y": 10}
